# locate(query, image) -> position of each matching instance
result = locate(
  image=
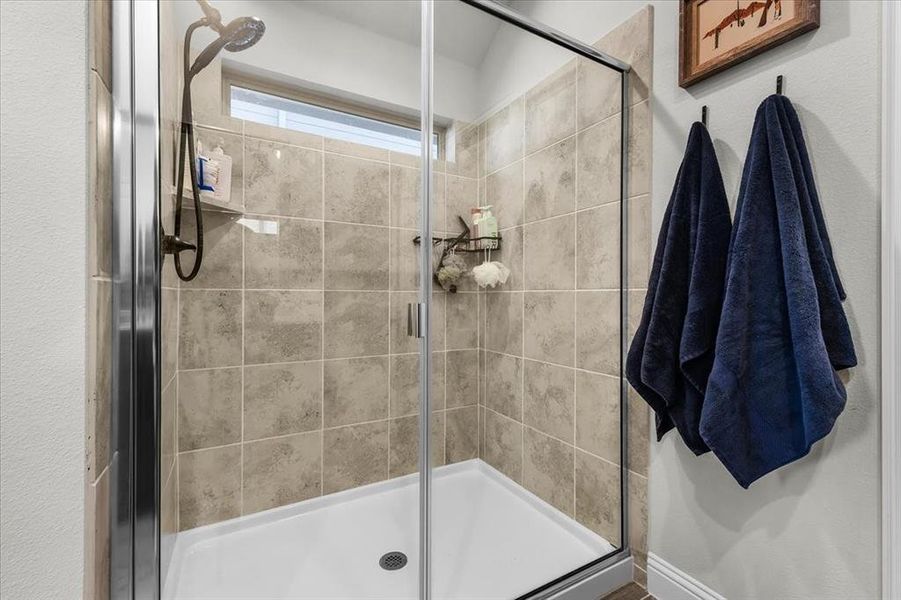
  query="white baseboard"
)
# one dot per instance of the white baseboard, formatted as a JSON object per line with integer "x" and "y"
{"x": 666, "y": 582}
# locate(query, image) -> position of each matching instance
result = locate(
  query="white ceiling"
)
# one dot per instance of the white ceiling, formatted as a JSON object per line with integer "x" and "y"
{"x": 462, "y": 33}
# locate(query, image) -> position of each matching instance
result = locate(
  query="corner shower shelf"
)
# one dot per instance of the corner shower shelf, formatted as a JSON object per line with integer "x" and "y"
{"x": 207, "y": 203}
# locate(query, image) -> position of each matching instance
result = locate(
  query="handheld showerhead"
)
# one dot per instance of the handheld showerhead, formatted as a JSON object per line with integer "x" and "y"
{"x": 239, "y": 34}
{"x": 242, "y": 33}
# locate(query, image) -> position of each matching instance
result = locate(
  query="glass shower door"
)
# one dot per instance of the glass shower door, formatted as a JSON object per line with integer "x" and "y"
{"x": 532, "y": 484}
{"x": 291, "y": 385}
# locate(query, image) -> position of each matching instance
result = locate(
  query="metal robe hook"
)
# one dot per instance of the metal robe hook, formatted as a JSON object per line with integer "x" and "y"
{"x": 704, "y": 115}
{"x": 779, "y": 84}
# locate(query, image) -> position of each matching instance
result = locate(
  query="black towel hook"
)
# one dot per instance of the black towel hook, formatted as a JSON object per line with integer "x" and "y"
{"x": 779, "y": 84}
{"x": 704, "y": 115}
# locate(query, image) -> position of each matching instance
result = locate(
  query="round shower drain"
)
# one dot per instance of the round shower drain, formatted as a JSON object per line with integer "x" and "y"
{"x": 392, "y": 561}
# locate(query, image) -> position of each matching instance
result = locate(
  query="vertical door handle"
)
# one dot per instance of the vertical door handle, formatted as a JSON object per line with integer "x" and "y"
{"x": 415, "y": 318}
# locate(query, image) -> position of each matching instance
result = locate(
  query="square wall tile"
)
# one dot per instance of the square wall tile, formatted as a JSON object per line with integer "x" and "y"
{"x": 462, "y": 195}
{"x": 168, "y": 427}
{"x": 223, "y": 250}
{"x": 597, "y": 415}
{"x": 209, "y": 329}
{"x": 462, "y": 378}
{"x": 600, "y": 93}
{"x": 504, "y": 192}
{"x": 98, "y": 382}
{"x": 503, "y": 384}
{"x": 405, "y": 444}
{"x": 354, "y": 149}
{"x": 551, "y": 109}
{"x": 638, "y": 212}
{"x": 405, "y": 383}
{"x": 631, "y": 42}
{"x": 598, "y": 505}
{"x": 599, "y": 165}
{"x": 282, "y": 399}
{"x": 462, "y": 320}
{"x": 356, "y": 257}
{"x": 356, "y": 324}
{"x": 550, "y": 254}
{"x": 597, "y": 334}
{"x": 282, "y": 253}
{"x": 282, "y": 326}
{"x": 547, "y": 469}
{"x": 549, "y": 401}
{"x": 504, "y": 136}
{"x": 209, "y": 486}
{"x": 209, "y": 408}
{"x": 273, "y": 133}
{"x": 403, "y": 272}
{"x": 503, "y": 322}
{"x": 597, "y": 247}
{"x": 354, "y": 456}
{"x": 462, "y": 435}
{"x": 355, "y": 390}
{"x": 640, "y": 150}
{"x": 549, "y": 333}
{"x": 283, "y": 180}
{"x": 639, "y": 433}
{"x": 100, "y": 163}
{"x": 281, "y": 471}
{"x": 466, "y": 150}
{"x": 550, "y": 181}
{"x": 169, "y": 334}
{"x": 502, "y": 447}
{"x": 356, "y": 190}
{"x": 638, "y": 518}
{"x": 511, "y": 256}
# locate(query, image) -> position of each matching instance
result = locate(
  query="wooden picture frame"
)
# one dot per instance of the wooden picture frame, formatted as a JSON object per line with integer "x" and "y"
{"x": 717, "y": 34}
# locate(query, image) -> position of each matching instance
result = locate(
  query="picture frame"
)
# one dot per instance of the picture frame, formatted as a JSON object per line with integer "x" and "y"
{"x": 714, "y": 35}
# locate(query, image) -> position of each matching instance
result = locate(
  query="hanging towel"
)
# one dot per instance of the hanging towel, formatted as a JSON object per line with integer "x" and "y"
{"x": 773, "y": 390}
{"x": 672, "y": 352}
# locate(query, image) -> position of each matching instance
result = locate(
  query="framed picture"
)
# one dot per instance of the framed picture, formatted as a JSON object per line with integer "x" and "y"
{"x": 716, "y": 34}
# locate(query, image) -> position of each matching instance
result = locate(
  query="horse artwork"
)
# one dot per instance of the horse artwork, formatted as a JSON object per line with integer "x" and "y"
{"x": 716, "y": 34}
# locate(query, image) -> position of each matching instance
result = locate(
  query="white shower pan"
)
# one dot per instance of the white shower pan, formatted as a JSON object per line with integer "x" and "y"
{"x": 491, "y": 540}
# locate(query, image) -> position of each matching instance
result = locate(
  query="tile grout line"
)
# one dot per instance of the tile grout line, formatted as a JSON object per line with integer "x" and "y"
{"x": 575, "y": 375}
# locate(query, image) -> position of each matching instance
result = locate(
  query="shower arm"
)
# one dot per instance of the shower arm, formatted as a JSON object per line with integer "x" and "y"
{"x": 173, "y": 244}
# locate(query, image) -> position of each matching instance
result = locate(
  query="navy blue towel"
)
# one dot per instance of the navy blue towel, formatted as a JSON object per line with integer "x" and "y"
{"x": 773, "y": 391}
{"x": 672, "y": 352}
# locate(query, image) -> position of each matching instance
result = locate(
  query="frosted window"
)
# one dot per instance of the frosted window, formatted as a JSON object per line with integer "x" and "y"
{"x": 268, "y": 109}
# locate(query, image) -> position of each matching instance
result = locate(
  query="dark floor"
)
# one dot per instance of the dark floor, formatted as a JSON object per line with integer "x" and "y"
{"x": 632, "y": 591}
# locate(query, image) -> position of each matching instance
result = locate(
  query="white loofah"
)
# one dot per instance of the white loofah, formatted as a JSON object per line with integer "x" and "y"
{"x": 489, "y": 274}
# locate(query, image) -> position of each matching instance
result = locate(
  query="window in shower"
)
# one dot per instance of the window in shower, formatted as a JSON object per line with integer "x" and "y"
{"x": 328, "y": 121}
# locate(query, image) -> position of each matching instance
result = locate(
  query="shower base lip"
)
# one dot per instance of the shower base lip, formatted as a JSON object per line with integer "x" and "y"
{"x": 478, "y": 543}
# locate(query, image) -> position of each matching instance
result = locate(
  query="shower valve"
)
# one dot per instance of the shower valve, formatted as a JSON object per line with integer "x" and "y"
{"x": 170, "y": 244}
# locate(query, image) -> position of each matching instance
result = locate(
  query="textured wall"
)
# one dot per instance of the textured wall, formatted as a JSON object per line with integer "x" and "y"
{"x": 810, "y": 529}
{"x": 44, "y": 263}
{"x": 550, "y": 398}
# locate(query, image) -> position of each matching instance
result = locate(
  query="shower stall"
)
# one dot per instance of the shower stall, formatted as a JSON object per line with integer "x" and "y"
{"x": 328, "y": 405}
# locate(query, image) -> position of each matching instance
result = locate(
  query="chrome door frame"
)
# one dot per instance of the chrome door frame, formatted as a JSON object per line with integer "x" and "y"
{"x": 134, "y": 484}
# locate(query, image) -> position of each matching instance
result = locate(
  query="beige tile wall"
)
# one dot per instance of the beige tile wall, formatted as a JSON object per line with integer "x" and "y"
{"x": 99, "y": 311}
{"x": 295, "y": 376}
{"x": 550, "y": 165}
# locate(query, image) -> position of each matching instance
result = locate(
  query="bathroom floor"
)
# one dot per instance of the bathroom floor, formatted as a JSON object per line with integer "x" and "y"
{"x": 491, "y": 540}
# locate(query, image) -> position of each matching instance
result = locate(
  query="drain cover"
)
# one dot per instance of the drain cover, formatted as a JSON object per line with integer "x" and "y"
{"x": 392, "y": 561}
